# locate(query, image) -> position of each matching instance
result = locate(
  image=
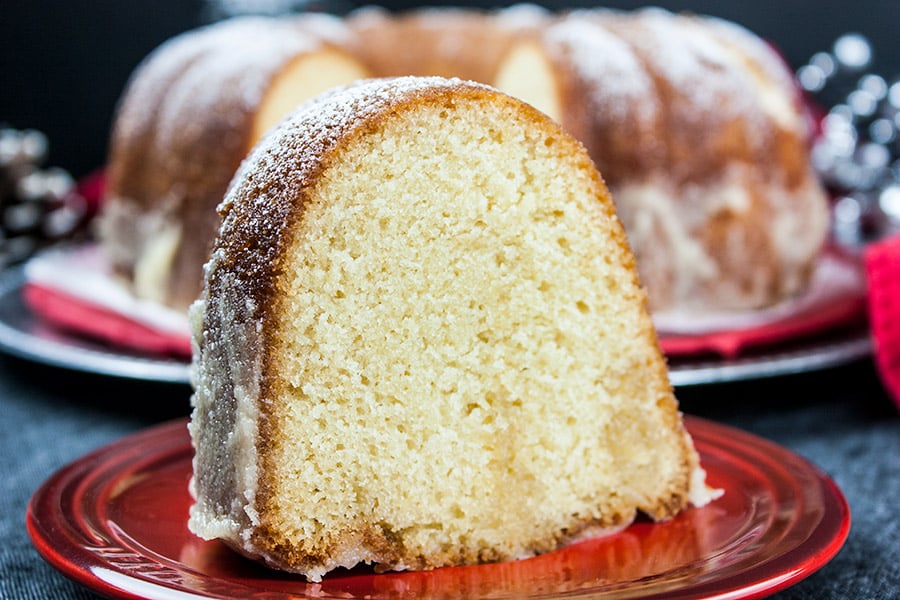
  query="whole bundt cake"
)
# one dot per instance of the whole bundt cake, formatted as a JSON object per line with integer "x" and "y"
{"x": 694, "y": 122}
{"x": 422, "y": 342}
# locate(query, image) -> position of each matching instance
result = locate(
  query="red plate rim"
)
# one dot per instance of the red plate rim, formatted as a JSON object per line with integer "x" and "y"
{"x": 769, "y": 553}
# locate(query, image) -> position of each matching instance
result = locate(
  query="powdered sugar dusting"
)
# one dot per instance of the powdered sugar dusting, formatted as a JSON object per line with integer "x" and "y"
{"x": 618, "y": 84}
{"x": 665, "y": 87}
{"x": 314, "y": 127}
{"x": 522, "y": 16}
{"x": 694, "y": 63}
{"x": 237, "y": 73}
{"x": 161, "y": 67}
{"x": 755, "y": 49}
{"x": 231, "y": 62}
{"x": 774, "y": 81}
{"x": 329, "y": 28}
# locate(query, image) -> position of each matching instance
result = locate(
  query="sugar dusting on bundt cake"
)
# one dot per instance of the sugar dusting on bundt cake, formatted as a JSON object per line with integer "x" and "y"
{"x": 191, "y": 113}
{"x": 442, "y": 41}
{"x": 422, "y": 342}
{"x": 696, "y": 125}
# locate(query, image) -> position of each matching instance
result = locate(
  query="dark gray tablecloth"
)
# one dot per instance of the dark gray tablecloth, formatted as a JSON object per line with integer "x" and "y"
{"x": 840, "y": 419}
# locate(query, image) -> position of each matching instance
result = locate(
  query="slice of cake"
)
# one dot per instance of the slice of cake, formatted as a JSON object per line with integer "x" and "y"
{"x": 422, "y": 342}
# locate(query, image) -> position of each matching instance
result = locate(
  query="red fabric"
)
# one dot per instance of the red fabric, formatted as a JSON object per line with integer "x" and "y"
{"x": 882, "y": 261}
{"x": 85, "y": 318}
{"x": 91, "y": 189}
{"x": 730, "y": 344}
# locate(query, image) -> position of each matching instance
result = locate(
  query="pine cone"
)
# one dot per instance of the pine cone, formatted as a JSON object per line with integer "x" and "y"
{"x": 38, "y": 206}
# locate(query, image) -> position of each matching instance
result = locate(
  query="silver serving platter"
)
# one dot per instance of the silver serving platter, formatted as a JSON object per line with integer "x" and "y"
{"x": 26, "y": 336}
{"x": 790, "y": 358}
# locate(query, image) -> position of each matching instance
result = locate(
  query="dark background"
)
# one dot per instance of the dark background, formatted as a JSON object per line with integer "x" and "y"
{"x": 63, "y": 64}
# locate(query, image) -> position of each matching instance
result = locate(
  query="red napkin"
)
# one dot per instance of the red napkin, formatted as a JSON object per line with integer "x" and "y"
{"x": 882, "y": 261}
{"x": 96, "y": 321}
{"x": 836, "y": 298}
{"x": 731, "y": 343}
{"x": 73, "y": 288}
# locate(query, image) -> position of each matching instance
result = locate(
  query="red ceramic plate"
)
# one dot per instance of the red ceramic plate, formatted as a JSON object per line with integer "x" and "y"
{"x": 114, "y": 521}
